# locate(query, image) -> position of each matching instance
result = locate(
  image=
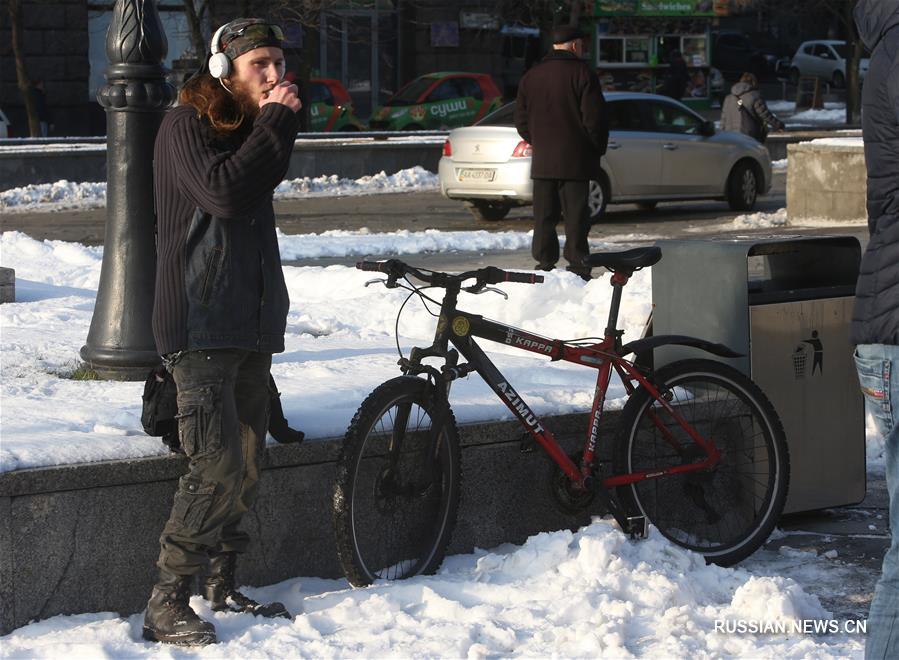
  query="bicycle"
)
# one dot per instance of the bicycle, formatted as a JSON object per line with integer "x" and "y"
{"x": 700, "y": 452}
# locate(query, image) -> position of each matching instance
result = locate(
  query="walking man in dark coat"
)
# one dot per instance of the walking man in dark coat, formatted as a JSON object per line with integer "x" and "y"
{"x": 220, "y": 311}
{"x": 875, "y": 319}
{"x": 560, "y": 111}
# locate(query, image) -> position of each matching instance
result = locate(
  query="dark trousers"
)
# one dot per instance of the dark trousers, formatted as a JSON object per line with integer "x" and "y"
{"x": 555, "y": 200}
{"x": 223, "y": 408}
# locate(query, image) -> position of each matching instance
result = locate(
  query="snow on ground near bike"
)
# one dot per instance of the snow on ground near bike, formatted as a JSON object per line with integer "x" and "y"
{"x": 340, "y": 345}
{"x": 587, "y": 594}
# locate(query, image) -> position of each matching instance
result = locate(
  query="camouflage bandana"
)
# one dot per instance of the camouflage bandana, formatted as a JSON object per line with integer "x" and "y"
{"x": 244, "y": 34}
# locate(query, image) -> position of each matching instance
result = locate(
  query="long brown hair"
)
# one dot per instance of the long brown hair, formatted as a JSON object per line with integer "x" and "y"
{"x": 213, "y": 102}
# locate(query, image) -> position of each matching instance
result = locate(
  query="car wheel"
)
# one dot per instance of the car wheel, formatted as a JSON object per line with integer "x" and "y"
{"x": 742, "y": 187}
{"x": 647, "y": 206}
{"x": 598, "y": 198}
{"x": 794, "y": 76}
{"x": 839, "y": 80}
{"x": 489, "y": 211}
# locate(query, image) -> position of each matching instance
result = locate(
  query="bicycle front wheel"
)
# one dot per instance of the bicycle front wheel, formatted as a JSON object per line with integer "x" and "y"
{"x": 729, "y": 510}
{"x": 396, "y": 492}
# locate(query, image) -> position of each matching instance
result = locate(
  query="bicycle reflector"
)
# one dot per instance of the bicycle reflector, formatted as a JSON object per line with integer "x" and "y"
{"x": 522, "y": 150}
{"x": 447, "y": 148}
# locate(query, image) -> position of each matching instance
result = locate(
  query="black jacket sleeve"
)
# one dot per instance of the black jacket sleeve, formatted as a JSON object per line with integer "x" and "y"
{"x": 760, "y": 109}
{"x": 521, "y": 112}
{"x": 594, "y": 114}
{"x": 230, "y": 184}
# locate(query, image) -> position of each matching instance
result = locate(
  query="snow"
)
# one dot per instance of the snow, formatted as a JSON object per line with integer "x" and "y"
{"x": 590, "y": 593}
{"x": 63, "y": 194}
{"x": 838, "y": 142}
{"x": 831, "y": 113}
{"x": 779, "y": 165}
{"x": 50, "y": 419}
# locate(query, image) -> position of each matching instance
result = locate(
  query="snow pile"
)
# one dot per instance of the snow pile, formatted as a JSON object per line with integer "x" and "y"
{"x": 838, "y": 142}
{"x": 335, "y": 326}
{"x": 413, "y": 179}
{"x": 340, "y": 243}
{"x": 831, "y": 113}
{"x": 760, "y": 220}
{"x": 67, "y": 195}
{"x": 593, "y": 593}
{"x": 53, "y": 196}
{"x": 779, "y": 165}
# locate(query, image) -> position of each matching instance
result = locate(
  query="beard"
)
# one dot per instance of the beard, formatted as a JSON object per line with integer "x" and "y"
{"x": 243, "y": 100}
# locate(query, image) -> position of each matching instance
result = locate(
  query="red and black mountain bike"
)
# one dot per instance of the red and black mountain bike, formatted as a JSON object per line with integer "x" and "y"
{"x": 700, "y": 451}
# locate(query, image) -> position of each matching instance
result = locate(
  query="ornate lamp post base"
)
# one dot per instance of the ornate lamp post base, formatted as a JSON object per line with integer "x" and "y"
{"x": 120, "y": 343}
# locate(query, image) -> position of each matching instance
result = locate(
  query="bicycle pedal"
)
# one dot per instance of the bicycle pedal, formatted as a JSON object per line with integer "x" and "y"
{"x": 526, "y": 444}
{"x": 638, "y": 527}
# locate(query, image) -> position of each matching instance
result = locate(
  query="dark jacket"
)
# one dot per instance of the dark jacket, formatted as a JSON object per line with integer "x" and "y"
{"x": 219, "y": 282}
{"x": 677, "y": 79}
{"x": 745, "y": 111}
{"x": 875, "y": 319}
{"x": 560, "y": 111}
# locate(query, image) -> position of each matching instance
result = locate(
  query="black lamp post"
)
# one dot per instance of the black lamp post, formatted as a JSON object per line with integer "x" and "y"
{"x": 120, "y": 343}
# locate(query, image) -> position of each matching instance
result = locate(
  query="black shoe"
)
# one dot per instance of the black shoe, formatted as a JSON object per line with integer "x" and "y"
{"x": 169, "y": 618}
{"x": 219, "y": 590}
{"x": 546, "y": 267}
{"x": 583, "y": 274}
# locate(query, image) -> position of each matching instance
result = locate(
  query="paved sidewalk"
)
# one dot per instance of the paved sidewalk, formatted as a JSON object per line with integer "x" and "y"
{"x": 835, "y": 554}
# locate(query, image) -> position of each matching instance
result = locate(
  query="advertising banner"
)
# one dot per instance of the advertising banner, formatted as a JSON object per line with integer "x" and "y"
{"x": 660, "y": 8}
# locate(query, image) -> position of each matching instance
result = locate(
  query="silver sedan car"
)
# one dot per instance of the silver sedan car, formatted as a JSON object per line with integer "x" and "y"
{"x": 659, "y": 150}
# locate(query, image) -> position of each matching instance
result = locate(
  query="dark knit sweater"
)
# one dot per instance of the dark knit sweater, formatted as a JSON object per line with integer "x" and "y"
{"x": 219, "y": 282}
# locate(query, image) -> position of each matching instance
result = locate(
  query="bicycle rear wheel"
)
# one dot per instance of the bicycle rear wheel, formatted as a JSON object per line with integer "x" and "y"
{"x": 396, "y": 491}
{"x": 728, "y": 511}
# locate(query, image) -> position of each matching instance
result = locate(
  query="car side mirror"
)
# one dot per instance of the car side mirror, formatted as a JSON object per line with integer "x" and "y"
{"x": 707, "y": 129}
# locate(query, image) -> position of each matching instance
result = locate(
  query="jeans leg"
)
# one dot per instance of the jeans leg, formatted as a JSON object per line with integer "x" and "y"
{"x": 547, "y": 213}
{"x": 878, "y": 372}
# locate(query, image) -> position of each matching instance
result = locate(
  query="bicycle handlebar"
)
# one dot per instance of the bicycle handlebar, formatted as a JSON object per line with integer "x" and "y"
{"x": 394, "y": 268}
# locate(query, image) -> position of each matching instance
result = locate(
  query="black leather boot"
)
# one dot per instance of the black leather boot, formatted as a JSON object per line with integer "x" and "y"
{"x": 220, "y": 591}
{"x": 170, "y": 619}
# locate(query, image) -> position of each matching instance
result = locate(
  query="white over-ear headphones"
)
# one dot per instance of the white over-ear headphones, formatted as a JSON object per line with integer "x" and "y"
{"x": 219, "y": 64}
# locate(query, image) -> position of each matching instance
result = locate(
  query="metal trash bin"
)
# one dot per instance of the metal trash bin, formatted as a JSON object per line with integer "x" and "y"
{"x": 785, "y": 302}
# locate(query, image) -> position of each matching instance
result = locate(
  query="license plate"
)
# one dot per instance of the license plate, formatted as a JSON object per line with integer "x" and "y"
{"x": 476, "y": 175}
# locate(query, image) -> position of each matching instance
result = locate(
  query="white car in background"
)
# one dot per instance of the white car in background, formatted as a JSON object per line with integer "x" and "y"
{"x": 825, "y": 59}
{"x": 659, "y": 150}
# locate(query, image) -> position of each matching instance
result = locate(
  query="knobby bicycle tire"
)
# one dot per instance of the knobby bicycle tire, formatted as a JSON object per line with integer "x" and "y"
{"x": 727, "y": 512}
{"x": 397, "y": 487}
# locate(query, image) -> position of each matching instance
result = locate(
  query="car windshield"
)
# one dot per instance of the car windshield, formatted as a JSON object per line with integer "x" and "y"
{"x": 505, "y": 116}
{"x": 410, "y": 94}
{"x": 841, "y": 50}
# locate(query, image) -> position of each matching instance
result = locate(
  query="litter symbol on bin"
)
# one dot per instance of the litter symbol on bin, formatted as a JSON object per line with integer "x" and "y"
{"x": 811, "y": 349}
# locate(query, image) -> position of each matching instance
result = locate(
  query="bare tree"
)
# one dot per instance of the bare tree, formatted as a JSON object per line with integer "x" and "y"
{"x": 196, "y": 11}
{"x": 24, "y": 82}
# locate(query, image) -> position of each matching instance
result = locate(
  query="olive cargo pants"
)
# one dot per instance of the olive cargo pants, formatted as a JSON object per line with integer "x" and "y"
{"x": 223, "y": 407}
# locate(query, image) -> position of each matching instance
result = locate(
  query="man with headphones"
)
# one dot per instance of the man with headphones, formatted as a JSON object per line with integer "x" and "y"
{"x": 220, "y": 311}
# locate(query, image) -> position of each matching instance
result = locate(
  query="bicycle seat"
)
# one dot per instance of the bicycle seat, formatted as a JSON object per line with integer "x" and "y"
{"x": 627, "y": 261}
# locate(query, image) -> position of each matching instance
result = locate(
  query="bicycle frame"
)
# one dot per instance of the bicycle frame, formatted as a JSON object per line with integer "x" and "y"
{"x": 461, "y": 328}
